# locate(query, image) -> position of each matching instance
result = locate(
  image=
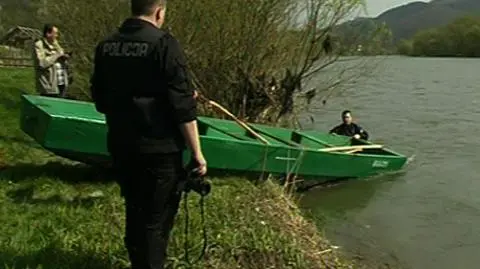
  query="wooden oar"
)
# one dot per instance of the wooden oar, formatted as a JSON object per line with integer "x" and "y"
{"x": 199, "y": 94}
{"x": 228, "y": 113}
{"x": 359, "y": 147}
{"x": 353, "y": 151}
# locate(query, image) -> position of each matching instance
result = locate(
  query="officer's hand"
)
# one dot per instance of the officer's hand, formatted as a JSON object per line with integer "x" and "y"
{"x": 357, "y": 136}
{"x": 201, "y": 164}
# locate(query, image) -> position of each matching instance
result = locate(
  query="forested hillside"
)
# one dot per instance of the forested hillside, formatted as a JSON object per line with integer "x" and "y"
{"x": 405, "y": 21}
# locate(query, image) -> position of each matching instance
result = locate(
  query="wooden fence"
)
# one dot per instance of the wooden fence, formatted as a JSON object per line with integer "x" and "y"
{"x": 15, "y": 57}
{"x": 16, "y": 61}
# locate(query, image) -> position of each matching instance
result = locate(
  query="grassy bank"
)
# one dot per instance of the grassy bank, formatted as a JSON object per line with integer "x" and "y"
{"x": 59, "y": 214}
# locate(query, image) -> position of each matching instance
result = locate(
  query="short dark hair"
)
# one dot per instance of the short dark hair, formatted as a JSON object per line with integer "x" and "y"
{"x": 345, "y": 112}
{"x": 144, "y": 7}
{"x": 47, "y": 28}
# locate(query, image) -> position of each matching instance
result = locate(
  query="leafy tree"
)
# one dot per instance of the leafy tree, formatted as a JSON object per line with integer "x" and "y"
{"x": 459, "y": 38}
{"x": 253, "y": 56}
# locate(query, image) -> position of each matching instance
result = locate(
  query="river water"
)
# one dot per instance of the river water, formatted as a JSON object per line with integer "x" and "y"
{"x": 428, "y": 216}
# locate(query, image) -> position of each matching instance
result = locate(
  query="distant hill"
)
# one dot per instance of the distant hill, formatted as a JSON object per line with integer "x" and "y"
{"x": 404, "y": 21}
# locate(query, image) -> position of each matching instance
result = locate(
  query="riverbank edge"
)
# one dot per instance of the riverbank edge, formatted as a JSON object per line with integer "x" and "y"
{"x": 59, "y": 213}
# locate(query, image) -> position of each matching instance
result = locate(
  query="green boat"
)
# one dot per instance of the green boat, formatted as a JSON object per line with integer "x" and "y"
{"x": 75, "y": 130}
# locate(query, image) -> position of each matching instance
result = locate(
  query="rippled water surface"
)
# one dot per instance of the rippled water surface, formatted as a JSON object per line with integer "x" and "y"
{"x": 429, "y": 216}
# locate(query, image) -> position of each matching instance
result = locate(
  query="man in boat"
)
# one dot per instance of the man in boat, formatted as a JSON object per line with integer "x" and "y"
{"x": 349, "y": 128}
{"x": 141, "y": 84}
{"x": 52, "y": 70}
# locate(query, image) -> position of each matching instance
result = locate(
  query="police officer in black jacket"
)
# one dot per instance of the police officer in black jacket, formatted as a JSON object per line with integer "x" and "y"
{"x": 141, "y": 84}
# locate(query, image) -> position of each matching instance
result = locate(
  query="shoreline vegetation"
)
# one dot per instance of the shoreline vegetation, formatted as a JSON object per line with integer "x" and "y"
{"x": 257, "y": 60}
{"x": 59, "y": 214}
{"x": 460, "y": 38}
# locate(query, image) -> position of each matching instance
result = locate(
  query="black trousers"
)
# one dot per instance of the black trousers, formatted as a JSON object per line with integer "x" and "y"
{"x": 150, "y": 185}
{"x": 61, "y": 94}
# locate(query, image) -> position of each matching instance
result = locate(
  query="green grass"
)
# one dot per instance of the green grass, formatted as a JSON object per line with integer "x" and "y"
{"x": 58, "y": 214}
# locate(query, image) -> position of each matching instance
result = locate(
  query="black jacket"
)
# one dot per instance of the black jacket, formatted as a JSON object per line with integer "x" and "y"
{"x": 350, "y": 130}
{"x": 141, "y": 84}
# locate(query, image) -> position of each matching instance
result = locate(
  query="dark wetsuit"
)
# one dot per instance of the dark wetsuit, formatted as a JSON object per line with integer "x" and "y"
{"x": 141, "y": 85}
{"x": 350, "y": 130}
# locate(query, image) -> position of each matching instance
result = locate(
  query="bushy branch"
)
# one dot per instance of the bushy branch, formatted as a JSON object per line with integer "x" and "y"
{"x": 252, "y": 56}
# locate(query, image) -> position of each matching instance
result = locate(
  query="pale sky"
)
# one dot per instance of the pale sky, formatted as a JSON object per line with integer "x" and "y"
{"x": 376, "y": 7}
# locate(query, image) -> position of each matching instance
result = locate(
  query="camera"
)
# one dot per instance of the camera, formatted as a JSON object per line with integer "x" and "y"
{"x": 196, "y": 182}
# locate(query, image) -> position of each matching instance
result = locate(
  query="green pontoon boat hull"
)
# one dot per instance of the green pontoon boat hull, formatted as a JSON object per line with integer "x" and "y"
{"x": 75, "y": 130}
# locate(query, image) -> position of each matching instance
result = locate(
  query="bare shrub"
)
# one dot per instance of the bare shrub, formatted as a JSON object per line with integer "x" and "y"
{"x": 253, "y": 57}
